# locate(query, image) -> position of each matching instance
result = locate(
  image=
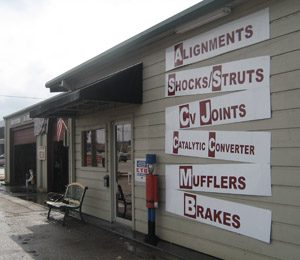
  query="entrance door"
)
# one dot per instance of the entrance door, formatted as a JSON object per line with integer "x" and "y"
{"x": 123, "y": 171}
{"x": 58, "y": 160}
{"x": 60, "y": 167}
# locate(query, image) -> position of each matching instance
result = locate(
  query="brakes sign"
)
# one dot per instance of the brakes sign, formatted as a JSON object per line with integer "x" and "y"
{"x": 235, "y": 217}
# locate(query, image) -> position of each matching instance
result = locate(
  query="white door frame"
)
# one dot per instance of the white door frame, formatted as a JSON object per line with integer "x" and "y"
{"x": 114, "y": 160}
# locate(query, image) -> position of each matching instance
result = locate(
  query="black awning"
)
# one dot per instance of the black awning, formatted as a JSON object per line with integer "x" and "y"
{"x": 125, "y": 86}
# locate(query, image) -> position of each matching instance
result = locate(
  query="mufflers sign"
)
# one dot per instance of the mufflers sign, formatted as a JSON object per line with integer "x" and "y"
{"x": 235, "y": 146}
{"x": 246, "y": 179}
{"x": 231, "y": 76}
{"x": 231, "y": 108}
{"x": 234, "y": 35}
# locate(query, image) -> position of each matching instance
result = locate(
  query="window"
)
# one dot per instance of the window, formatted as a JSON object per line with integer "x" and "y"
{"x": 93, "y": 148}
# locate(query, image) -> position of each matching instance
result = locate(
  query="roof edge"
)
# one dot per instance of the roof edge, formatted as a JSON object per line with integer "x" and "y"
{"x": 187, "y": 15}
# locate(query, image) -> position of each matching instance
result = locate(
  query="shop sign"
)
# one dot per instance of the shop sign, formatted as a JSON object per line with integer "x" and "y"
{"x": 15, "y": 121}
{"x": 19, "y": 120}
{"x": 236, "y": 107}
{"x": 237, "y": 34}
{"x": 140, "y": 170}
{"x": 242, "y": 219}
{"x": 231, "y": 76}
{"x": 41, "y": 153}
{"x": 224, "y": 145}
{"x": 246, "y": 179}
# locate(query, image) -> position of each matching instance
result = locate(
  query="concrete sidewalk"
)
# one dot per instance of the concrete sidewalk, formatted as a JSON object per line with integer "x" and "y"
{"x": 25, "y": 233}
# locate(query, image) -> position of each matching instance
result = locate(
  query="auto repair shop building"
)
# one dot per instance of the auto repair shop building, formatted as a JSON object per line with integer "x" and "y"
{"x": 214, "y": 93}
{"x": 32, "y": 144}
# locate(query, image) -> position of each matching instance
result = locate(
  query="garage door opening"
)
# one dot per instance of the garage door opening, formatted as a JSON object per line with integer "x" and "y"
{"x": 24, "y": 158}
{"x": 23, "y": 154}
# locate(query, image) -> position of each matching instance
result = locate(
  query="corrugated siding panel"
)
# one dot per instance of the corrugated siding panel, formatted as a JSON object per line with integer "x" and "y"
{"x": 23, "y": 135}
{"x": 284, "y": 49}
{"x": 149, "y": 131}
{"x": 98, "y": 198}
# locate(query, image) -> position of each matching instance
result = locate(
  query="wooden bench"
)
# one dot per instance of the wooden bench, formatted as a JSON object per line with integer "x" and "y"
{"x": 70, "y": 201}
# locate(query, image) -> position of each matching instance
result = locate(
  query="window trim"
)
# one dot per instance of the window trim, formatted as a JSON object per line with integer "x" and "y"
{"x": 93, "y": 149}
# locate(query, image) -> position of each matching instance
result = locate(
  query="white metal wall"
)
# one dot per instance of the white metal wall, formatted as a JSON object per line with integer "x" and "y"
{"x": 149, "y": 137}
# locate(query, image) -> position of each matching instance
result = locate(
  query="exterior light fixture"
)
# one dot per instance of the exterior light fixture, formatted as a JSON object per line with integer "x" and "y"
{"x": 215, "y": 15}
{"x": 61, "y": 86}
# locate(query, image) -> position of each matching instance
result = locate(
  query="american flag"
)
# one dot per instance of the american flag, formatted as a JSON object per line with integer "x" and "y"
{"x": 60, "y": 128}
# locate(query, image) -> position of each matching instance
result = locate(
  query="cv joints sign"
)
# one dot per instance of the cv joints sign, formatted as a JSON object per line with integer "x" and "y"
{"x": 242, "y": 219}
{"x": 231, "y": 76}
{"x": 243, "y": 32}
{"x": 225, "y": 145}
{"x": 246, "y": 179}
{"x": 241, "y": 106}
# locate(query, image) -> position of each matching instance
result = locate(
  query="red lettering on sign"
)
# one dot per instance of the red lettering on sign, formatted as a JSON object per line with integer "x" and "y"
{"x": 175, "y": 142}
{"x": 185, "y": 117}
{"x": 190, "y": 205}
{"x": 212, "y": 181}
{"x": 205, "y": 112}
{"x": 193, "y": 210}
{"x": 216, "y": 78}
{"x": 178, "y": 55}
{"x": 171, "y": 84}
{"x": 211, "y": 44}
{"x": 209, "y": 115}
{"x": 211, "y": 144}
{"x": 185, "y": 177}
{"x": 249, "y": 31}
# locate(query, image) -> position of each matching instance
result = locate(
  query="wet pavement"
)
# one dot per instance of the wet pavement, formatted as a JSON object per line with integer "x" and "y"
{"x": 25, "y": 233}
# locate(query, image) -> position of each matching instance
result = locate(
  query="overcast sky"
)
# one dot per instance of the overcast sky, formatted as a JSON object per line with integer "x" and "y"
{"x": 41, "y": 39}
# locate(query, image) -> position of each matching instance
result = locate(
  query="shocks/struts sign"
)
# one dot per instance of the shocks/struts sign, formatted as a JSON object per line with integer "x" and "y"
{"x": 251, "y": 79}
{"x": 231, "y": 76}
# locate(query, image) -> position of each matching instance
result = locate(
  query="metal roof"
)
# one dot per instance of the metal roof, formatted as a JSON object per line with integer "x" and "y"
{"x": 122, "y": 87}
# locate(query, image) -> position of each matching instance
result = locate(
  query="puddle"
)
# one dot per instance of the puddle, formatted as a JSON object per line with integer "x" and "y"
{"x": 22, "y": 193}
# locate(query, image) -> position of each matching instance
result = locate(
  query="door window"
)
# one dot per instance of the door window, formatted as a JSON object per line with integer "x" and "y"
{"x": 123, "y": 150}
